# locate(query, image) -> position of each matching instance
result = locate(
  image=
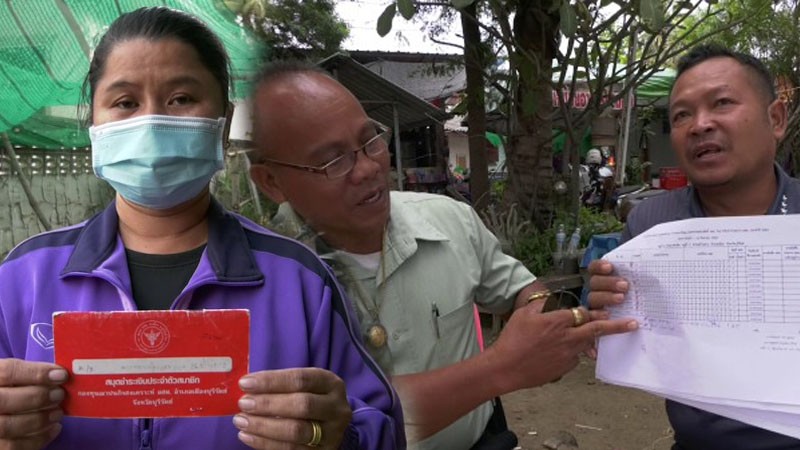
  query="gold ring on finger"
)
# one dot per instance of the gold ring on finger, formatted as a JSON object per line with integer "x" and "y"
{"x": 577, "y": 316}
{"x": 316, "y": 436}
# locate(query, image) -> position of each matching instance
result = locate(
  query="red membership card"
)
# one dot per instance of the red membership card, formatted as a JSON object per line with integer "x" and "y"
{"x": 132, "y": 364}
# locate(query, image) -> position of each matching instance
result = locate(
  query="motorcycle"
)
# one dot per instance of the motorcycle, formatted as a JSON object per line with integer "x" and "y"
{"x": 630, "y": 196}
{"x": 597, "y": 180}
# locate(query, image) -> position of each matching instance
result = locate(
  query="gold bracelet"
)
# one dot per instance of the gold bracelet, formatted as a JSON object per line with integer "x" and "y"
{"x": 538, "y": 295}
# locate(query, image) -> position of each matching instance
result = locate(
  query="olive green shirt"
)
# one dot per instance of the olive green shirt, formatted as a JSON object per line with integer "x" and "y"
{"x": 439, "y": 260}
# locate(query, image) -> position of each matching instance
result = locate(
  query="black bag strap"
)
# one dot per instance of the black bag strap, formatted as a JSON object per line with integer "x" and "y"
{"x": 497, "y": 436}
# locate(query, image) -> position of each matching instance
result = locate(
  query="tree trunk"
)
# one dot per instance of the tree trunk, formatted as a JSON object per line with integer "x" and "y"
{"x": 531, "y": 153}
{"x": 476, "y": 110}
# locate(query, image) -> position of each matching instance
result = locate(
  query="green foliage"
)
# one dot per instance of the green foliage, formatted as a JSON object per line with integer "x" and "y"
{"x": 568, "y": 46}
{"x": 498, "y": 190}
{"x": 769, "y": 30}
{"x": 233, "y": 188}
{"x": 569, "y": 20}
{"x": 763, "y": 28}
{"x": 634, "y": 170}
{"x": 507, "y": 226}
{"x": 596, "y": 222}
{"x": 652, "y": 14}
{"x": 385, "y": 20}
{"x": 535, "y": 249}
{"x": 407, "y": 8}
{"x": 293, "y": 28}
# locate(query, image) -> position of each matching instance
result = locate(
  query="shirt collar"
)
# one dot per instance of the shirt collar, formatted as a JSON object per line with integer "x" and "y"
{"x": 405, "y": 228}
{"x": 288, "y": 223}
{"x": 780, "y": 205}
{"x": 228, "y": 250}
{"x": 406, "y": 222}
{"x": 401, "y": 226}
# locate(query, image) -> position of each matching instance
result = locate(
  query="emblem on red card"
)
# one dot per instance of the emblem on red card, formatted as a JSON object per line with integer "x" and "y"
{"x": 152, "y": 337}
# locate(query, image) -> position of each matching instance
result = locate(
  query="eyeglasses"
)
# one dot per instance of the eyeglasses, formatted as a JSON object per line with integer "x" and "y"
{"x": 343, "y": 164}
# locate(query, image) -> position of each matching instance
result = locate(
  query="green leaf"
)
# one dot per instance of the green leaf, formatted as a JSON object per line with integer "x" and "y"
{"x": 569, "y": 20}
{"x": 583, "y": 61}
{"x": 407, "y": 8}
{"x": 594, "y": 54}
{"x": 258, "y": 9}
{"x": 247, "y": 7}
{"x": 385, "y": 20}
{"x": 461, "y": 107}
{"x": 458, "y": 4}
{"x": 234, "y": 5}
{"x": 584, "y": 14}
{"x": 652, "y": 14}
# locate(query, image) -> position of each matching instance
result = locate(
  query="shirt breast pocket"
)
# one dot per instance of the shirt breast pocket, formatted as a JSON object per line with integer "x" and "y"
{"x": 455, "y": 335}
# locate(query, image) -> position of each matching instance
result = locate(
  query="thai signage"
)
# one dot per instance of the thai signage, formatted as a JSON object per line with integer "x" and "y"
{"x": 581, "y": 99}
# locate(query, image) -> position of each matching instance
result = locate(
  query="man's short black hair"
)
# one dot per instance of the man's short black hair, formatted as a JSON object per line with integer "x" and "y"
{"x": 704, "y": 52}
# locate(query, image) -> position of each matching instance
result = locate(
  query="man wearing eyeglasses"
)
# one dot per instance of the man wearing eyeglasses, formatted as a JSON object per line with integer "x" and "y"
{"x": 413, "y": 265}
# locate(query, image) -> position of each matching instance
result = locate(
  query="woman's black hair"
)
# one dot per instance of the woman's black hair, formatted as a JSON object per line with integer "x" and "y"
{"x": 155, "y": 23}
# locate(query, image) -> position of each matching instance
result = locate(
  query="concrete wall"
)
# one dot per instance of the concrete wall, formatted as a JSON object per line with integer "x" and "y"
{"x": 62, "y": 183}
{"x": 458, "y": 144}
{"x": 659, "y": 145}
{"x": 661, "y": 153}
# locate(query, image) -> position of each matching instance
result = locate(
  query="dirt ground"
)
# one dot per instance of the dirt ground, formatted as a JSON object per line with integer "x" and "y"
{"x": 600, "y": 416}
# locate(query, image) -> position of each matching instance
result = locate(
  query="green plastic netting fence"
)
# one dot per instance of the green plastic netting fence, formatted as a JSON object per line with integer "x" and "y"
{"x": 44, "y": 56}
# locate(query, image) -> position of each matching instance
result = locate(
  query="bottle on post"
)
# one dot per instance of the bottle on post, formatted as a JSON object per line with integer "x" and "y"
{"x": 558, "y": 256}
{"x": 574, "y": 241}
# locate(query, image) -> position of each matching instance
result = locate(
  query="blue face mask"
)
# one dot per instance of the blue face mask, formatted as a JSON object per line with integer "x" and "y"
{"x": 158, "y": 161}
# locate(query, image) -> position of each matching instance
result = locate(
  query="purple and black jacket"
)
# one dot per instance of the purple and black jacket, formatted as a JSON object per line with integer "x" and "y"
{"x": 299, "y": 318}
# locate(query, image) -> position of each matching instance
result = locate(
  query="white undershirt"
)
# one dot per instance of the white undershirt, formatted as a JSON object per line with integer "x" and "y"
{"x": 369, "y": 261}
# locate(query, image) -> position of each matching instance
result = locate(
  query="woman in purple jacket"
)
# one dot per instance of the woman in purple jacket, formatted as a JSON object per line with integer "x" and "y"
{"x": 158, "y": 91}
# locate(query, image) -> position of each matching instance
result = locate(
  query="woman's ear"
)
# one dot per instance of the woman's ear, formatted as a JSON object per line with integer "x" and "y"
{"x": 267, "y": 183}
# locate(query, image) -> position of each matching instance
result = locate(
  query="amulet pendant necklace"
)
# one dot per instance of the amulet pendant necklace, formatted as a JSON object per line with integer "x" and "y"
{"x": 376, "y": 335}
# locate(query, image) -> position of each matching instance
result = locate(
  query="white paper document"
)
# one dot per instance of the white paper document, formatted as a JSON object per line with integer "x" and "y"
{"x": 718, "y": 305}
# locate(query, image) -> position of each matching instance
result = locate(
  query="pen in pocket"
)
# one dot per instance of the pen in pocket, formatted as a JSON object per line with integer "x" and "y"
{"x": 435, "y": 314}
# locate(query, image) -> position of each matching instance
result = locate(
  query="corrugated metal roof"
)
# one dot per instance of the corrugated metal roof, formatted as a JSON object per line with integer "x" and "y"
{"x": 422, "y": 79}
{"x": 378, "y": 94}
{"x": 364, "y": 56}
{"x": 429, "y": 76}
